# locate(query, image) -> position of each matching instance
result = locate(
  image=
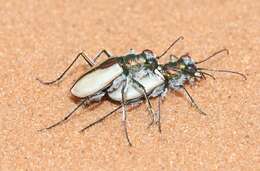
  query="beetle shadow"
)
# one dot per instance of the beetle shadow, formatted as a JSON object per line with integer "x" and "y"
{"x": 177, "y": 93}
{"x": 130, "y": 107}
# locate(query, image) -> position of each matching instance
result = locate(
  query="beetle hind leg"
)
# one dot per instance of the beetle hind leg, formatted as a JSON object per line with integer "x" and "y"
{"x": 89, "y": 61}
{"x": 158, "y": 114}
{"x": 100, "y": 53}
{"x": 101, "y": 119}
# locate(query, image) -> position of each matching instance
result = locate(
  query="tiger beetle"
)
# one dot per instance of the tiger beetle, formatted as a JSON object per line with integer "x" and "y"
{"x": 172, "y": 75}
{"x": 93, "y": 84}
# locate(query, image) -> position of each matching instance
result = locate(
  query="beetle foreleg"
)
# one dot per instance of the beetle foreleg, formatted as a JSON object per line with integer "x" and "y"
{"x": 81, "y": 54}
{"x": 192, "y": 101}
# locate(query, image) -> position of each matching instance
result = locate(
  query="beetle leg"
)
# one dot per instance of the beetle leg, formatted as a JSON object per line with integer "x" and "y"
{"x": 149, "y": 106}
{"x": 124, "y": 114}
{"x": 81, "y": 54}
{"x": 100, "y": 53}
{"x": 101, "y": 119}
{"x": 158, "y": 114}
{"x": 192, "y": 101}
{"x": 66, "y": 117}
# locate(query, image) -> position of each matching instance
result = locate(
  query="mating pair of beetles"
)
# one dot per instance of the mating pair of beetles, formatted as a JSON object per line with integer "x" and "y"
{"x": 135, "y": 77}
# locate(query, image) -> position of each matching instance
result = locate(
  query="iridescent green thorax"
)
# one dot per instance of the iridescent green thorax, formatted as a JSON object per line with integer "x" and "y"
{"x": 134, "y": 62}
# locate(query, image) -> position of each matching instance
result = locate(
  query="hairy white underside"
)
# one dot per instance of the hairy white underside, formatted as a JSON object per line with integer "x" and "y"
{"x": 150, "y": 82}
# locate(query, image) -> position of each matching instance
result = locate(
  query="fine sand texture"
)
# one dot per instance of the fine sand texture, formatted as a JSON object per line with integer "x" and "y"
{"x": 41, "y": 38}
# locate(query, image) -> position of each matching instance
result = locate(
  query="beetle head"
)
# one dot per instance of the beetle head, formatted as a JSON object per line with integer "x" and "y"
{"x": 186, "y": 67}
{"x": 183, "y": 65}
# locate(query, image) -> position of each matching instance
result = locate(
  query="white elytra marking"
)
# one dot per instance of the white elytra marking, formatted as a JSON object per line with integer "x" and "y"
{"x": 95, "y": 81}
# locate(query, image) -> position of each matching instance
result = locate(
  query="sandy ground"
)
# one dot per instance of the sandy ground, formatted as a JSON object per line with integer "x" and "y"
{"x": 39, "y": 39}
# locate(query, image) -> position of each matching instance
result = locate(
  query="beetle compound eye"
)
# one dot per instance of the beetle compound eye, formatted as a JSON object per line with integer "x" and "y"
{"x": 147, "y": 51}
{"x": 148, "y": 54}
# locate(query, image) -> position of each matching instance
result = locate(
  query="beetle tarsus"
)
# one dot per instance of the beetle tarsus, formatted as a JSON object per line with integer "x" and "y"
{"x": 45, "y": 82}
{"x": 100, "y": 53}
{"x": 126, "y": 133}
{"x": 101, "y": 119}
{"x": 193, "y": 102}
{"x": 66, "y": 117}
{"x": 81, "y": 54}
{"x": 124, "y": 113}
{"x": 158, "y": 121}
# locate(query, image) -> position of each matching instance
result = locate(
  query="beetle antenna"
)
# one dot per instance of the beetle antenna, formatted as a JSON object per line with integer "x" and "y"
{"x": 101, "y": 119}
{"x": 214, "y": 54}
{"x": 220, "y": 70}
{"x": 66, "y": 117}
{"x": 173, "y": 43}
